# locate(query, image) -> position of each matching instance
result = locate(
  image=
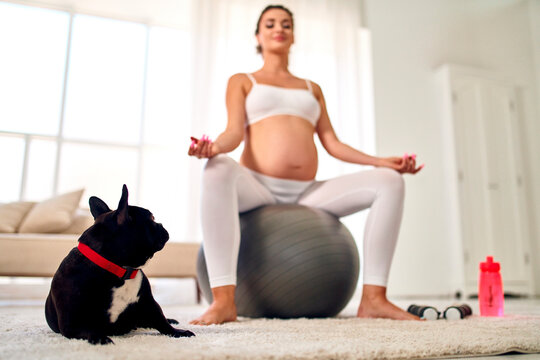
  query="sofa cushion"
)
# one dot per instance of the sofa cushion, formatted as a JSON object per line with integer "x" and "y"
{"x": 82, "y": 220}
{"x": 12, "y": 214}
{"x": 53, "y": 215}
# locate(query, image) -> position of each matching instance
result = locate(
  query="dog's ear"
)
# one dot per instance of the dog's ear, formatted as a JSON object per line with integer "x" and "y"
{"x": 97, "y": 206}
{"x": 122, "y": 211}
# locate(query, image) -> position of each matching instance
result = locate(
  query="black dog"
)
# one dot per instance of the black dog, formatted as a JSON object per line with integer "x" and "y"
{"x": 98, "y": 291}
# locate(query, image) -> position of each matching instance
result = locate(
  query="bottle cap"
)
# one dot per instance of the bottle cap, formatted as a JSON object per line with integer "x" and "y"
{"x": 489, "y": 265}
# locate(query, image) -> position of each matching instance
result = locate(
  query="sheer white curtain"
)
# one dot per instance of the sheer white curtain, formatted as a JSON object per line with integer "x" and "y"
{"x": 183, "y": 94}
{"x": 327, "y": 50}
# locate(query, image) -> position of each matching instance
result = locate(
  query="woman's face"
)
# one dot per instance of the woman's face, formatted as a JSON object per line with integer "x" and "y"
{"x": 275, "y": 31}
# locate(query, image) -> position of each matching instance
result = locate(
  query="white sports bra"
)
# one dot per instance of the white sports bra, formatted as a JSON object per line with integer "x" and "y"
{"x": 264, "y": 101}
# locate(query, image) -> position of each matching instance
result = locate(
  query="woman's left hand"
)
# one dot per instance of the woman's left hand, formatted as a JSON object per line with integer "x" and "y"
{"x": 404, "y": 165}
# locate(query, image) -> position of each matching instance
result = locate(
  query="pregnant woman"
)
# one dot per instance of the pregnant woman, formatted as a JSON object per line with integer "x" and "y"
{"x": 277, "y": 115}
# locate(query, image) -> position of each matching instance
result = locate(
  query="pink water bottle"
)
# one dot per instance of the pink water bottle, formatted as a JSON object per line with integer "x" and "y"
{"x": 490, "y": 289}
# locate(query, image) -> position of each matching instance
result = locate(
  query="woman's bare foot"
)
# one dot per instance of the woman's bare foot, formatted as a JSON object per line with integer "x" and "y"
{"x": 221, "y": 310}
{"x": 217, "y": 313}
{"x": 374, "y": 304}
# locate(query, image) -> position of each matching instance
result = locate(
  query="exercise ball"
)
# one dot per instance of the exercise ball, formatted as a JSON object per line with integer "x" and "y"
{"x": 294, "y": 261}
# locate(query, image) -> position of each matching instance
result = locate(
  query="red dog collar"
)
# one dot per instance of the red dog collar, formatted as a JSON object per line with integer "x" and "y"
{"x": 122, "y": 272}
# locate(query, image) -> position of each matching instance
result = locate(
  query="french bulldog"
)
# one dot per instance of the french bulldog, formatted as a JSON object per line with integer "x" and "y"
{"x": 98, "y": 290}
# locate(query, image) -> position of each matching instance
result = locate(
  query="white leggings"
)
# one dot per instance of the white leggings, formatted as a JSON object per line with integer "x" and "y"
{"x": 229, "y": 189}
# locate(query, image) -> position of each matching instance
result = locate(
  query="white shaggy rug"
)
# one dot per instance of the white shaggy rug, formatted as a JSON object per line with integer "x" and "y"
{"x": 24, "y": 334}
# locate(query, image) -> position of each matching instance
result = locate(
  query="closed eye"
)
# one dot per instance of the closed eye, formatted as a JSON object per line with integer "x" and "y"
{"x": 286, "y": 24}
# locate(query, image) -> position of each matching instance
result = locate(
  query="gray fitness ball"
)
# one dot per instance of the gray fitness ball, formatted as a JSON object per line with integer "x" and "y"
{"x": 294, "y": 261}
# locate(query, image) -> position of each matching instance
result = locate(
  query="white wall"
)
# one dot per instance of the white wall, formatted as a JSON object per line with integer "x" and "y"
{"x": 533, "y": 135}
{"x": 410, "y": 40}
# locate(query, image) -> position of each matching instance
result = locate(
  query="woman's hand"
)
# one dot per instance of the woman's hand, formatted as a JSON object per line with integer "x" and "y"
{"x": 404, "y": 165}
{"x": 203, "y": 147}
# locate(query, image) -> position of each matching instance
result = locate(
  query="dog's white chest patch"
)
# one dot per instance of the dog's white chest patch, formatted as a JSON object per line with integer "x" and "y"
{"x": 124, "y": 295}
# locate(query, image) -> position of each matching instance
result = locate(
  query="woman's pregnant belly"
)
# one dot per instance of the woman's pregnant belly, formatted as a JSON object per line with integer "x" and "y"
{"x": 281, "y": 146}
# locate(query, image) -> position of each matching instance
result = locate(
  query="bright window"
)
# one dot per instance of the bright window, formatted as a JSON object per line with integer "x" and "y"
{"x": 11, "y": 162}
{"x": 105, "y": 83}
{"x": 41, "y": 169}
{"x": 32, "y": 67}
{"x": 119, "y": 120}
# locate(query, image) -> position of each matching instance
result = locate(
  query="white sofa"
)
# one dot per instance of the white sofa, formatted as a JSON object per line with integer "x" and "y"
{"x": 36, "y": 236}
{"x": 40, "y": 254}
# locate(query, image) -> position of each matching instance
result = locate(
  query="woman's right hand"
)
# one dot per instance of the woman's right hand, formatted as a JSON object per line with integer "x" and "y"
{"x": 203, "y": 147}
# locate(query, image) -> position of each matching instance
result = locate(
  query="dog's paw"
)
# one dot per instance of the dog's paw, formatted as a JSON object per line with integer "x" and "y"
{"x": 181, "y": 333}
{"x": 100, "y": 340}
{"x": 172, "y": 321}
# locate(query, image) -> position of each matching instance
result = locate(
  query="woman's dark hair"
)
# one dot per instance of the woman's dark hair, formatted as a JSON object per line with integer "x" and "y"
{"x": 270, "y": 7}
